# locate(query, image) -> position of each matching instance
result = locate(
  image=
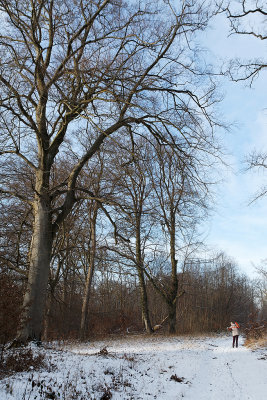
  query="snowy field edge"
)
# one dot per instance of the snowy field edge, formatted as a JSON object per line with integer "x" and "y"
{"x": 143, "y": 367}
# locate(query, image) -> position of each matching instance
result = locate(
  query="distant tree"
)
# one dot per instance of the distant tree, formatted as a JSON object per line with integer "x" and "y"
{"x": 179, "y": 204}
{"x": 261, "y": 287}
{"x": 132, "y": 212}
{"x": 15, "y": 232}
{"x": 215, "y": 293}
{"x": 11, "y": 293}
{"x": 93, "y": 178}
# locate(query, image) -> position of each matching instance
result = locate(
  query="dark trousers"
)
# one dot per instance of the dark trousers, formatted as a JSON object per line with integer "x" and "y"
{"x": 235, "y": 341}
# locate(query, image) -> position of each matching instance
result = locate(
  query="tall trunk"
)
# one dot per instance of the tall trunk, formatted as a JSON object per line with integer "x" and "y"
{"x": 174, "y": 280}
{"x": 89, "y": 277}
{"x": 53, "y": 283}
{"x": 172, "y": 317}
{"x": 39, "y": 263}
{"x": 31, "y": 323}
{"x": 144, "y": 302}
{"x": 142, "y": 283}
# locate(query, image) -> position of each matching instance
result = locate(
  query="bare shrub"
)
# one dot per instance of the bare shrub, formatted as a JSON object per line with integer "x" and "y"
{"x": 255, "y": 331}
{"x": 20, "y": 360}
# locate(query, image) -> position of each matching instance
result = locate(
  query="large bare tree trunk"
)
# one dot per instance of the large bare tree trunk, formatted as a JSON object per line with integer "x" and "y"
{"x": 174, "y": 279}
{"x": 39, "y": 259}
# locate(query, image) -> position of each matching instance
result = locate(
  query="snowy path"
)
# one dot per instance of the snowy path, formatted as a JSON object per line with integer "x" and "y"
{"x": 143, "y": 368}
{"x": 223, "y": 372}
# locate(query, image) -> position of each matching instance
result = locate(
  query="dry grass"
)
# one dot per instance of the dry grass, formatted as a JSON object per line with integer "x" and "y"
{"x": 256, "y": 343}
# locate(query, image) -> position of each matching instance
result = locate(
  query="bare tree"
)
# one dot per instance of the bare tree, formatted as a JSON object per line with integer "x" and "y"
{"x": 247, "y": 18}
{"x": 15, "y": 231}
{"x": 93, "y": 210}
{"x": 257, "y": 161}
{"x": 95, "y": 181}
{"x": 74, "y": 69}
{"x": 132, "y": 212}
{"x": 261, "y": 287}
{"x": 179, "y": 203}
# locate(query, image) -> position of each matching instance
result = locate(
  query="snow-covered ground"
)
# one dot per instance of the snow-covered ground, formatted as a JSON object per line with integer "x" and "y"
{"x": 163, "y": 368}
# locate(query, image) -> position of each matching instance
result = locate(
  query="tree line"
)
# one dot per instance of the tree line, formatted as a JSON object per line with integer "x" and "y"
{"x": 125, "y": 259}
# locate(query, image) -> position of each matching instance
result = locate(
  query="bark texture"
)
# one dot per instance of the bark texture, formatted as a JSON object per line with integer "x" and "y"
{"x": 39, "y": 259}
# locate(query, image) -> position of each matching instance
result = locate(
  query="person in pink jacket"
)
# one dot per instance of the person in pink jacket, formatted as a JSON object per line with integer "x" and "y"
{"x": 234, "y": 327}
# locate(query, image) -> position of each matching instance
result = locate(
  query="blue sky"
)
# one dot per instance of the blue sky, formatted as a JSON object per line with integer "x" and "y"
{"x": 236, "y": 227}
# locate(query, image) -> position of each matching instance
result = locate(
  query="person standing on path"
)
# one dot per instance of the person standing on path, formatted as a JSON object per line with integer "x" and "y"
{"x": 234, "y": 327}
